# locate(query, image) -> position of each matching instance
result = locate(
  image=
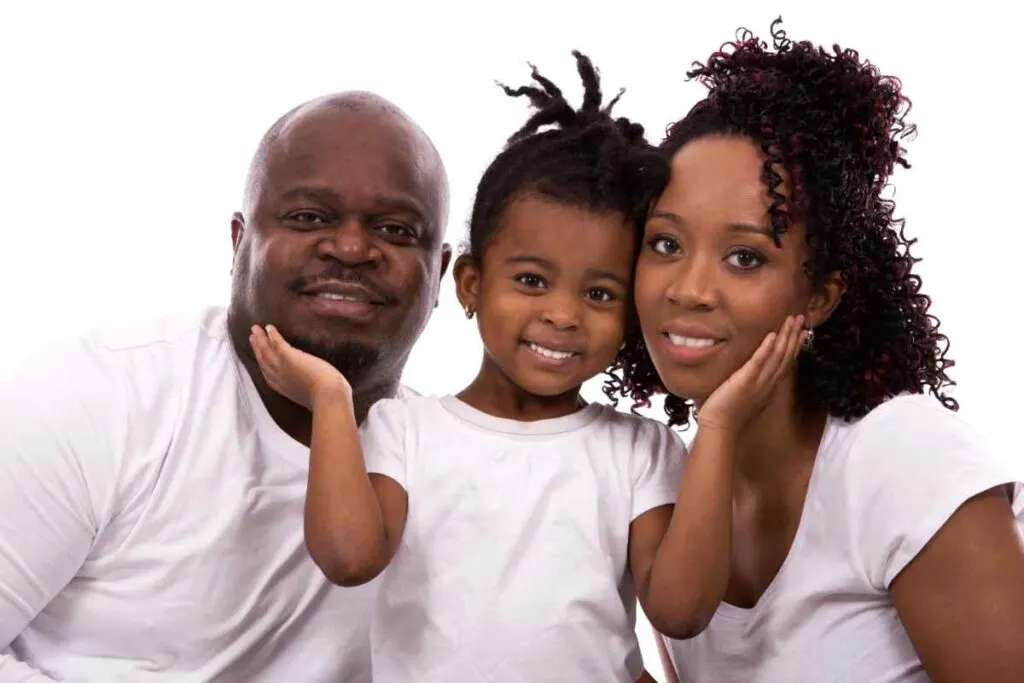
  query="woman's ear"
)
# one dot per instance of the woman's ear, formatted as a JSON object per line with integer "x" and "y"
{"x": 824, "y": 299}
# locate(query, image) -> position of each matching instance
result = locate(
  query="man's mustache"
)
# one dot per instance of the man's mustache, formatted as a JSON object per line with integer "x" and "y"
{"x": 346, "y": 275}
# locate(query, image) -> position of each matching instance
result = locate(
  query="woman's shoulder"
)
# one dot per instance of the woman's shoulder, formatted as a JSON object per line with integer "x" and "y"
{"x": 909, "y": 424}
{"x": 895, "y": 476}
{"x": 911, "y": 443}
{"x": 914, "y": 408}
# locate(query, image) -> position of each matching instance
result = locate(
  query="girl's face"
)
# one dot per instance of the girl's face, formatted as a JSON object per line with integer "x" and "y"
{"x": 551, "y": 295}
{"x": 710, "y": 281}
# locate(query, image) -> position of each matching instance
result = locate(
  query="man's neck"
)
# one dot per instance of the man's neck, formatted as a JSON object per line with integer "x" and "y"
{"x": 297, "y": 421}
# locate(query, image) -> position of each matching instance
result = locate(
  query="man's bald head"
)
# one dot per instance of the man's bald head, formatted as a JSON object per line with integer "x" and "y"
{"x": 340, "y": 242}
{"x": 358, "y": 102}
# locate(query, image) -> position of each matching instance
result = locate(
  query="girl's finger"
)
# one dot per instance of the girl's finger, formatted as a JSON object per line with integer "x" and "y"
{"x": 792, "y": 349}
{"x": 276, "y": 338}
{"x": 753, "y": 368}
{"x": 259, "y": 349}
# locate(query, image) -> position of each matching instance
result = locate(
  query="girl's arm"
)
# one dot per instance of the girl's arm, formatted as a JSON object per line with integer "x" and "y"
{"x": 679, "y": 556}
{"x": 353, "y": 521}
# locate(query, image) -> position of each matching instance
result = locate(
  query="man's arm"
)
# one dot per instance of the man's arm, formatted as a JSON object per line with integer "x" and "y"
{"x": 57, "y": 461}
{"x": 13, "y": 671}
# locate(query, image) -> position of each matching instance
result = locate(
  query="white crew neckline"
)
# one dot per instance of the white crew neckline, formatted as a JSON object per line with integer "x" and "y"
{"x": 557, "y": 425}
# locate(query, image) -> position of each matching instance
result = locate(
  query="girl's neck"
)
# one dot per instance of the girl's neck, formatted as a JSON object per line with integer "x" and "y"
{"x": 495, "y": 393}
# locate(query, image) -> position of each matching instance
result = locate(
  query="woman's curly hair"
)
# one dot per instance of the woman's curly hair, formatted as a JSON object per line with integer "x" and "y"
{"x": 835, "y": 124}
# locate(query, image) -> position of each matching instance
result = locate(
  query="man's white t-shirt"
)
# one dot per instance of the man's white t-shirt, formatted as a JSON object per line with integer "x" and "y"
{"x": 513, "y": 566}
{"x": 881, "y": 488}
{"x": 151, "y": 523}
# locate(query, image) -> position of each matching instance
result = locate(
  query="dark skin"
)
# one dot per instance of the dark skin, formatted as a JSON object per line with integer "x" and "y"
{"x": 534, "y": 287}
{"x": 552, "y": 314}
{"x": 962, "y": 598}
{"x": 340, "y": 245}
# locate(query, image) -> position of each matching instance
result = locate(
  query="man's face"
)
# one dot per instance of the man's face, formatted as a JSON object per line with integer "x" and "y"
{"x": 340, "y": 245}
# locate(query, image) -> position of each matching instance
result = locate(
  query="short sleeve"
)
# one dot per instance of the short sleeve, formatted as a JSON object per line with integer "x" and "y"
{"x": 383, "y": 439}
{"x": 658, "y": 455}
{"x": 61, "y": 436}
{"x": 912, "y": 464}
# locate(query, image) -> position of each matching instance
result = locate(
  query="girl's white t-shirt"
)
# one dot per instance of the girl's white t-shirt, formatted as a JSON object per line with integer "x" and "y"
{"x": 513, "y": 566}
{"x": 881, "y": 488}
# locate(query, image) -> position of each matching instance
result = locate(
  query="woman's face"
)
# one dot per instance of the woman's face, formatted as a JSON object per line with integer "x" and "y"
{"x": 711, "y": 282}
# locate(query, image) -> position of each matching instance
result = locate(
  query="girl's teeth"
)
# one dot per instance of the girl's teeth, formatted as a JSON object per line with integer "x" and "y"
{"x": 551, "y": 353}
{"x": 690, "y": 342}
{"x": 338, "y": 297}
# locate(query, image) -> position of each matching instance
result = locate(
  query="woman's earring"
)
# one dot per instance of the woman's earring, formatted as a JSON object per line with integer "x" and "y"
{"x": 469, "y": 312}
{"x": 809, "y": 339}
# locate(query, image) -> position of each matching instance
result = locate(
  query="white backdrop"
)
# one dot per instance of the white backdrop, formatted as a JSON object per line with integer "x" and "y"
{"x": 127, "y": 129}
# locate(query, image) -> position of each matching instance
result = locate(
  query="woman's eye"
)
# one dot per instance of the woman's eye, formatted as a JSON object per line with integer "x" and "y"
{"x": 745, "y": 259}
{"x": 664, "y": 245}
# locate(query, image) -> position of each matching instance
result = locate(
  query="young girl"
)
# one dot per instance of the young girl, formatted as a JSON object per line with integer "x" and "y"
{"x": 517, "y": 524}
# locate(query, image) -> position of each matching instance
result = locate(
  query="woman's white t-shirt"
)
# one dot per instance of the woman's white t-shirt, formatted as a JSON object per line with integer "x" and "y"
{"x": 881, "y": 487}
{"x": 513, "y": 566}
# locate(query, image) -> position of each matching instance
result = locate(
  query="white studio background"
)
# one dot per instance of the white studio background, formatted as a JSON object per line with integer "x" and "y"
{"x": 127, "y": 129}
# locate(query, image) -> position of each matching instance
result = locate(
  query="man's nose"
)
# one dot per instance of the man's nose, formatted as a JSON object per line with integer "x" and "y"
{"x": 350, "y": 243}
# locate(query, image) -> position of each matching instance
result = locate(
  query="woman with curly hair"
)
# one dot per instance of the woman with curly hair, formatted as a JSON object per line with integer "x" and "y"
{"x": 875, "y": 537}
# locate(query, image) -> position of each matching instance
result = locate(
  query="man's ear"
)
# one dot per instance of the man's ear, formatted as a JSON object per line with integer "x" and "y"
{"x": 467, "y": 283}
{"x": 446, "y": 257}
{"x": 237, "y": 232}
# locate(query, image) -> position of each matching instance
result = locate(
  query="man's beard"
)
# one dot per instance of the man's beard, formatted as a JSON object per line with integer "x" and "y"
{"x": 355, "y": 360}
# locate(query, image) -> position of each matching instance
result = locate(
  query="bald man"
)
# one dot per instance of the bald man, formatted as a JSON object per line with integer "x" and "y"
{"x": 152, "y": 484}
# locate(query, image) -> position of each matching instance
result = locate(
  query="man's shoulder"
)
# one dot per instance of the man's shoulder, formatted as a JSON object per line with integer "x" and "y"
{"x": 165, "y": 330}
{"x": 143, "y": 351}
{"x": 405, "y": 391}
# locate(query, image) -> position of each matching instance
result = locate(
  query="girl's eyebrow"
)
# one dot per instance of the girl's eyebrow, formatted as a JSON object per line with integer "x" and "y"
{"x": 536, "y": 260}
{"x": 598, "y": 274}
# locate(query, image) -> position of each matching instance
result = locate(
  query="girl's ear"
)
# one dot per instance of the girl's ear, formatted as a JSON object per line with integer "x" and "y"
{"x": 467, "y": 283}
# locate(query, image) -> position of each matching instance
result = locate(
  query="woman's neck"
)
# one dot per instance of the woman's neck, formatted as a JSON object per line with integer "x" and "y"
{"x": 779, "y": 444}
{"x": 494, "y": 393}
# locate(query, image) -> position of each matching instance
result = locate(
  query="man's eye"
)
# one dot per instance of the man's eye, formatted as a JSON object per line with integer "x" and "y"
{"x": 397, "y": 230}
{"x": 307, "y": 219}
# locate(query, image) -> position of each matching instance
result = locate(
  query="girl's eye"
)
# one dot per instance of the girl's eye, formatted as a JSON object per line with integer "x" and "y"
{"x": 665, "y": 246}
{"x": 600, "y": 295}
{"x": 532, "y": 281}
{"x": 745, "y": 259}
